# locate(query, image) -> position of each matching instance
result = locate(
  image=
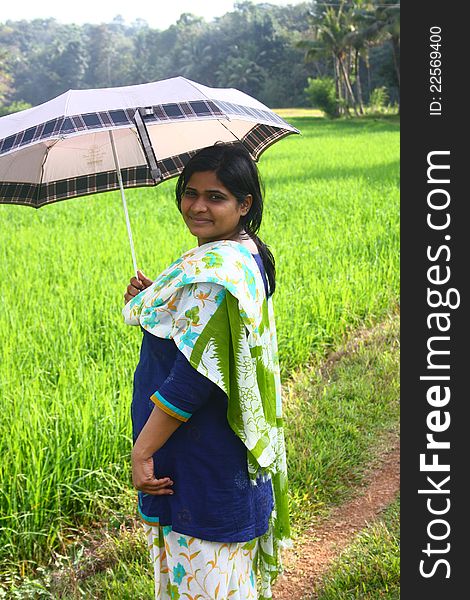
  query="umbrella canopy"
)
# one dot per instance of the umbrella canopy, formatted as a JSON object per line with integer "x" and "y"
{"x": 83, "y": 141}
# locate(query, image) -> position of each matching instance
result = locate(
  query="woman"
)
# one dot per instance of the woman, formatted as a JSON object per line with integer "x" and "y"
{"x": 208, "y": 456}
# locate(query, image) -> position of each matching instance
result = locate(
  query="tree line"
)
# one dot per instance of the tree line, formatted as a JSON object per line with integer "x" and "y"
{"x": 270, "y": 52}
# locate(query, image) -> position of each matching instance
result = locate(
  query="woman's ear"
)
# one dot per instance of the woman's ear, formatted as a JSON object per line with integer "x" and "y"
{"x": 246, "y": 205}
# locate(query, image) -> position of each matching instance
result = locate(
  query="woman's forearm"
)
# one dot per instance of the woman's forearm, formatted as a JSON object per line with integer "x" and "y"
{"x": 155, "y": 433}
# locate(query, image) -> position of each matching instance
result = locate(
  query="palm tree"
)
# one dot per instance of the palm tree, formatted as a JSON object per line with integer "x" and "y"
{"x": 241, "y": 72}
{"x": 377, "y": 23}
{"x": 345, "y": 31}
{"x": 330, "y": 38}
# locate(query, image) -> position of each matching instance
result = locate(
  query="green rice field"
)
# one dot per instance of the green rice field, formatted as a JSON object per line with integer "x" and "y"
{"x": 67, "y": 359}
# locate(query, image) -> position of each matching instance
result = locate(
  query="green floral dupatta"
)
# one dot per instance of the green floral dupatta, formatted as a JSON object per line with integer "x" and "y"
{"x": 211, "y": 301}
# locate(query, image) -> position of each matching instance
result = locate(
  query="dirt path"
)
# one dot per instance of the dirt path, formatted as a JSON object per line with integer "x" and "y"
{"x": 312, "y": 555}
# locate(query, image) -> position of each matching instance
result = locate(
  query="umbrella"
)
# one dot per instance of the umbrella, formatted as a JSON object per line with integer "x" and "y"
{"x": 88, "y": 141}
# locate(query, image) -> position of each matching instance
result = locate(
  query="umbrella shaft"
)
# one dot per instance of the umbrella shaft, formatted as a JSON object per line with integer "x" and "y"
{"x": 121, "y": 187}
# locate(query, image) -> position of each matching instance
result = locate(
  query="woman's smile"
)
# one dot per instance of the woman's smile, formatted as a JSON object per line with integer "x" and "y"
{"x": 199, "y": 220}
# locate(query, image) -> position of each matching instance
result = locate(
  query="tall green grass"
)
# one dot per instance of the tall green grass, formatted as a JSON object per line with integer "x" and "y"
{"x": 67, "y": 359}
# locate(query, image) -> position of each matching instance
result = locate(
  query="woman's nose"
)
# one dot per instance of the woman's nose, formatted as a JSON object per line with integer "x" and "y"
{"x": 199, "y": 205}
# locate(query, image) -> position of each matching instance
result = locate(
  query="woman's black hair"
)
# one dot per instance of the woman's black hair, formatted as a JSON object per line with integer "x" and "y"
{"x": 238, "y": 172}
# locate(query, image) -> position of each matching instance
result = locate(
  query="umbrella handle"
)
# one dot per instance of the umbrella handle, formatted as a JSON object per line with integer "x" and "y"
{"x": 121, "y": 187}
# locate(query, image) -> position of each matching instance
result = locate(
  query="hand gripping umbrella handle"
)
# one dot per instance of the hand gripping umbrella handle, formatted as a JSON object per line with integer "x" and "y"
{"x": 121, "y": 187}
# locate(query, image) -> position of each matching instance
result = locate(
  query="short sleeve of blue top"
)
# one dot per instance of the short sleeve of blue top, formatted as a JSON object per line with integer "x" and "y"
{"x": 213, "y": 498}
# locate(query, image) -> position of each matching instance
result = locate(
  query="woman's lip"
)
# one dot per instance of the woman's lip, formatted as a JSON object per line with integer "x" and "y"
{"x": 200, "y": 220}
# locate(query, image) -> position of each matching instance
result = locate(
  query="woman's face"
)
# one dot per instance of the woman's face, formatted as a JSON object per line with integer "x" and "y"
{"x": 210, "y": 211}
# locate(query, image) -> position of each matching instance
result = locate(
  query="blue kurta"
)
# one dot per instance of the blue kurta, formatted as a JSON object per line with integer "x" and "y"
{"x": 213, "y": 498}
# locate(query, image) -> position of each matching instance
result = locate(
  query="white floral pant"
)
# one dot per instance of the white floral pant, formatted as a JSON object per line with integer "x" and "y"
{"x": 188, "y": 568}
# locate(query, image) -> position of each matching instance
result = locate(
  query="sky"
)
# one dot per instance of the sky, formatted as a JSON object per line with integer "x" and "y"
{"x": 158, "y": 14}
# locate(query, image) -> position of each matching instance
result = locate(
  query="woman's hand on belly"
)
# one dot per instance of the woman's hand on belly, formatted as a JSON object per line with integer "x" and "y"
{"x": 143, "y": 477}
{"x": 158, "y": 428}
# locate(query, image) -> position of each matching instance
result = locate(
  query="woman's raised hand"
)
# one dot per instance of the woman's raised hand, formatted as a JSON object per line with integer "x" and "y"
{"x": 136, "y": 286}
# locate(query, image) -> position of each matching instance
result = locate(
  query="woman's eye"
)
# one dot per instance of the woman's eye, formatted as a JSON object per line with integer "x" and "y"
{"x": 189, "y": 193}
{"x": 215, "y": 197}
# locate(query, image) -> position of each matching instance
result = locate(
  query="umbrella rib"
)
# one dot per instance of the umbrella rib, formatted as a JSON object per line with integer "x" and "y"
{"x": 208, "y": 99}
{"x": 230, "y": 131}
